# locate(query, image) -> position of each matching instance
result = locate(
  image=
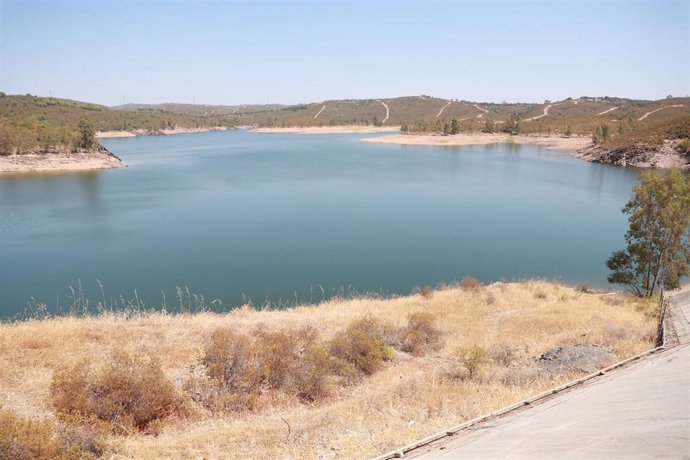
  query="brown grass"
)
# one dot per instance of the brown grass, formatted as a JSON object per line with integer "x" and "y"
{"x": 406, "y": 397}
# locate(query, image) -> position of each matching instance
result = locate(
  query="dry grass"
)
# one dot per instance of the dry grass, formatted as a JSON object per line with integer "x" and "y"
{"x": 407, "y": 397}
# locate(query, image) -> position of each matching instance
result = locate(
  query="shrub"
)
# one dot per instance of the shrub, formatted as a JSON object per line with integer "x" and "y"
{"x": 427, "y": 292}
{"x": 229, "y": 359}
{"x": 420, "y": 334}
{"x": 276, "y": 358}
{"x": 503, "y": 354}
{"x": 129, "y": 391}
{"x": 473, "y": 358}
{"x": 583, "y": 289}
{"x": 470, "y": 283}
{"x": 312, "y": 373}
{"x": 684, "y": 147}
{"x": 26, "y": 439}
{"x": 363, "y": 345}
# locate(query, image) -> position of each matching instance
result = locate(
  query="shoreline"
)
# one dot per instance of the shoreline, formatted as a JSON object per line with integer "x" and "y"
{"x": 571, "y": 144}
{"x": 60, "y": 161}
{"x": 148, "y": 132}
{"x": 344, "y": 129}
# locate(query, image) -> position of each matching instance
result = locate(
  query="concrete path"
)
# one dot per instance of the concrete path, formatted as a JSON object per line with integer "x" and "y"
{"x": 641, "y": 411}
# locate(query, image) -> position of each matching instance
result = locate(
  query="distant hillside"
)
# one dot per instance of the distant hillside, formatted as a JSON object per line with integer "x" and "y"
{"x": 623, "y": 125}
{"x": 200, "y": 109}
{"x": 31, "y": 123}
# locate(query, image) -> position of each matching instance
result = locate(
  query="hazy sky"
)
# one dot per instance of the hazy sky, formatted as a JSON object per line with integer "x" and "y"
{"x": 223, "y": 52}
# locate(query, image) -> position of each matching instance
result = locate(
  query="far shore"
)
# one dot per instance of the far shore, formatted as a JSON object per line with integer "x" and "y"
{"x": 345, "y": 129}
{"x": 60, "y": 161}
{"x": 572, "y": 144}
{"x": 148, "y": 132}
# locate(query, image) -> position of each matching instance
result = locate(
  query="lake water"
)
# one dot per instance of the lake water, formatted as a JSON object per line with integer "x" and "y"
{"x": 235, "y": 215}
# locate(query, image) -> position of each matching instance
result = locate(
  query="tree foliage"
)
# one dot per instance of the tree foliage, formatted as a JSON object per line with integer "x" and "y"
{"x": 87, "y": 133}
{"x": 602, "y": 133}
{"x": 658, "y": 240}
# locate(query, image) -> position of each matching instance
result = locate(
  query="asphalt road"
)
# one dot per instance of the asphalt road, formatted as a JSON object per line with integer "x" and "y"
{"x": 640, "y": 411}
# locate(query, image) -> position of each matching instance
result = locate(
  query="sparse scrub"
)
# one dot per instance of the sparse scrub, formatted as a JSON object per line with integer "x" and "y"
{"x": 473, "y": 358}
{"x": 503, "y": 354}
{"x": 470, "y": 283}
{"x": 363, "y": 345}
{"x": 33, "y": 440}
{"x": 323, "y": 398}
{"x": 127, "y": 392}
{"x": 420, "y": 334}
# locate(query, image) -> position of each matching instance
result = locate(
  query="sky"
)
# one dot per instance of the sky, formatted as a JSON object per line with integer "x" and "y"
{"x": 243, "y": 52}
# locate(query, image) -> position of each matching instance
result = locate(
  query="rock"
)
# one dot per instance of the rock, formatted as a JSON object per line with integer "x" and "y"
{"x": 582, "y": 357}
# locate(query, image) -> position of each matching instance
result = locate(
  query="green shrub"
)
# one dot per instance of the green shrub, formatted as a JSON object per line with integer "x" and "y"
{"x": 128, "y": 391}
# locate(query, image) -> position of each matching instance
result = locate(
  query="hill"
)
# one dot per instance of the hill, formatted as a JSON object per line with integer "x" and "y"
{"x": 32, "y": 124}
{"x": 631, "y": 132}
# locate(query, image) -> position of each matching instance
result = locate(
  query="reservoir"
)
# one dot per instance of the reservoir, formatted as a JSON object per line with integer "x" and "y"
{"x": 240, "y": 216}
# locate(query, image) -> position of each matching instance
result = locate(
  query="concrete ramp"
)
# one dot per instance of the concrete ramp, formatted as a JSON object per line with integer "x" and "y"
{"x": 641, "y": 411}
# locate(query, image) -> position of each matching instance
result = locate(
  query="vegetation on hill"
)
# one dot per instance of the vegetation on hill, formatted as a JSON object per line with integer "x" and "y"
{"x": 39, "y": 124}
{"x": 352, "y": 378}
{"x": 617, "y": 126}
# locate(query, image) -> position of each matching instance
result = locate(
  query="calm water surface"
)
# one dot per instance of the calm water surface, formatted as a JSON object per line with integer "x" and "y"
{"x": 278, "y": 216}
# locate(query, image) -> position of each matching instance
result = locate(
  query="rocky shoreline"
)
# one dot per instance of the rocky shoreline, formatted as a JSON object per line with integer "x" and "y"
{"x": 638, "y": 155}
{"x": 59, "y": 159}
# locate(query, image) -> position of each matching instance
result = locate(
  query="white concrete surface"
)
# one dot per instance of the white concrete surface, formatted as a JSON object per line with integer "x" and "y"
{"x": 641, "y": 411}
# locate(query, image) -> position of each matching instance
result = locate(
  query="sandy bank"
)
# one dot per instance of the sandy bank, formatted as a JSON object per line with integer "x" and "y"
{"x": 149, "y": 132}
{"x": 330, "y": 129}
{"x": 58, "y": 161}
{"x": 565, "y": 143}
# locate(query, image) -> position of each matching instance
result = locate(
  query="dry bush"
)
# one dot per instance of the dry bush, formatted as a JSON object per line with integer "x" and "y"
{"x": 427, "y": 292}
{"x": 363, "y": 344}
{"x": 276, "y": 358}
{"x": 26, "y": 439}
{"x": 229, "y": 359}
{"x": 583, "y": 288}
{"x": 519, "y": 375}
{"x": 473, "y": 358}
{"x": 470, "y": 283}
{"x": 128, "y": 391}
{"x": 503, "y": 354}
{"x": 312, "y": 373}
{"x": 420, "y": 335}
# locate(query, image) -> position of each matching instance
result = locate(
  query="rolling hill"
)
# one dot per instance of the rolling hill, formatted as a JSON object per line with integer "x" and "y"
{"x": 627, "y": 125}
